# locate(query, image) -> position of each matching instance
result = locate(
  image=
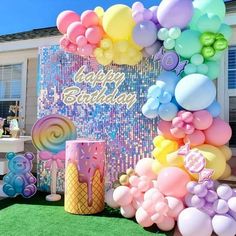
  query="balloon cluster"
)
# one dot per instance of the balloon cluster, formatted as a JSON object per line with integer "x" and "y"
{"x": 160, "y": 97}
{"x": 169, "y": 36}
{"x": 212, "y": 43}
{"x": 218, "y": 202}
{"x": 82, "y": 34}
{"x": 150, "y": 198}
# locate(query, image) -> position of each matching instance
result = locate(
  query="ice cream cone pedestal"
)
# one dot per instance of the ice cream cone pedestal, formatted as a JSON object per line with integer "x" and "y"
{"x": 84, "y": 176}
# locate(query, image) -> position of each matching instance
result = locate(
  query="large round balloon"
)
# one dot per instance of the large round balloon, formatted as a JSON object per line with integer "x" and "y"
{"x": 209, "y": 23}
{"x": 195, "y": 92}
{"x": 145, "y": 33}
{"x": 215, "y": 159}
{"x": 219, "y": 133}
{"x": 193, "y": 222}
{"x": 188, "y": 43}
{"x": 224, "y": 225}
{"x": 175, "y": 13}
{"x": 214, "y": 7}
{"x": 118, "y": 22}
{"x": 172, "y": 181}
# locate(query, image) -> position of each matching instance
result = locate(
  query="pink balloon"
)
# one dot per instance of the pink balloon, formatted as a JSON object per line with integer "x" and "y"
{"x": 122, "y": 196}
{"x": 136, "y": 203}
{"x": 86, "y": 50}
{"x": 186, "y": 116}
{"x": 144, "y": 185}
{"x": 172, "y": 181}
{"x": 161, "y": 207}
{"x": 164, "y": 129}
{"x": 144, "y": 168}
{"x": 157, "y": 218}
{"x": 175, "y": 206}
{"x": 202, "y": 119}
{"x": 74, "y": 30}
{"x": 89, "y": 18}
{"x": 219, "y": 133}
{"x": 65, "y": 18}
{"x": 81, "y": 41}
{"x": 153, "y": 194}
{"x": 128, "y": 211}
{"x": 71, "y": 47}
{"x": 110, "y": 200}
{"x": 134, "y": 180}
{"x": 177, "y": 132}
{"x": 64, "y": 42}
{"x": 93, "y": 34}
{"x": 195, "y": 139}
{"x": 147, "y": 204}
{"x": 166, "y": 224}
{"x": 143, "y": 218}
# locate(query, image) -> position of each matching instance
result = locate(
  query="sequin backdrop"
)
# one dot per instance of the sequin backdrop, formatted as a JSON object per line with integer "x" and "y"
{"x": 127, "y": 132}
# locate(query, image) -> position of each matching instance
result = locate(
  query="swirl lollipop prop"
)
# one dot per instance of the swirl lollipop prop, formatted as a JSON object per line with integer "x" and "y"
{"x": 49, "y": 136}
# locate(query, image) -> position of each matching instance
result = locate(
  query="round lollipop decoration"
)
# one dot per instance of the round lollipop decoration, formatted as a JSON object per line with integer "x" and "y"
{"x": 49, "y": 136}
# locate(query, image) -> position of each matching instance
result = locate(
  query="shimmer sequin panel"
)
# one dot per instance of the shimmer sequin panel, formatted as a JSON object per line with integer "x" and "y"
{"x": 127, "y": 132}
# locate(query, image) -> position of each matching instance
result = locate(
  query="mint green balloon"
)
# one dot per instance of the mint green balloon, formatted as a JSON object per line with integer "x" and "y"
{"x": 213, "y": 69}
{"x": 169, "y": 43}
{"x": 197, "y": 59}
{"x": 196, "y": 15}
{"x": 218, "y": 55}
{"x": 202, "y": 69}
{"x": 190, "y": 69}
{"x": 174, "y": 32}
{"x": 209, "y": 23}
{"x": 215, "y": 7}
{"x": 188, "y": 43}
{"x": 163, "y": 34}
{"x": 226, "y": 30}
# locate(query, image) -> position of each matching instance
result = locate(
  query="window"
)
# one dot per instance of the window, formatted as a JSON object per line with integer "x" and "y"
{"x": 232, "y": 93}
{"x": 10, "y": 89}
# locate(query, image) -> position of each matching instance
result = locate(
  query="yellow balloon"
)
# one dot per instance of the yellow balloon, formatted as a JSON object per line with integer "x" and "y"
{"x": 215, "y": 159}
{"x": 136, "y": 46}
{"x": 227, "y": 152}
{"x": 99, "y": 11}
{"x": 227, "y": 172}
{"x": 173, "y": 159}
{"x": 157, "y": 140}
{"x": 157, "y": 166}
{"x": 106, "y": 43}
{"x": 118, "y": 22}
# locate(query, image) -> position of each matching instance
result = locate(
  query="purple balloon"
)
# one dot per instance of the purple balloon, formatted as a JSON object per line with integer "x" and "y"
{"x": 145, "y": 33}
{"x": 147, "y": 14}
{"x": 220, "y": 206}
{"x": 224, "y": 225}
{"x": 154, "y": 10}
{"x": 197, "y": 202}
{"x": 211, "y": 196}
{"x": 153, "y": 49}
{"x": 137, "y": 16}
{"x": 175, "y": 13}
{"x": 208, "y": 208}
{"x": 209, "y": 184}
{"x": 137, "y": 6}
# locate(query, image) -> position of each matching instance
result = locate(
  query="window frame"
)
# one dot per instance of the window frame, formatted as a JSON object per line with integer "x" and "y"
{"x": 23, "y": 62}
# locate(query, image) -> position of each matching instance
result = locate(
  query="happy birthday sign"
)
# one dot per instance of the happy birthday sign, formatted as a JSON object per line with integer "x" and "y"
{"x": 74, "y": 94}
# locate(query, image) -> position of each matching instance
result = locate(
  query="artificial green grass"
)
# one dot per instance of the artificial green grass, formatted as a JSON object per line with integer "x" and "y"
{"x": 37, "y": 217}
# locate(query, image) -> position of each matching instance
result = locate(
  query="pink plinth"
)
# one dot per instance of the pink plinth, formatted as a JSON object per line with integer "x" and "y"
{"x": 84, "y": 177}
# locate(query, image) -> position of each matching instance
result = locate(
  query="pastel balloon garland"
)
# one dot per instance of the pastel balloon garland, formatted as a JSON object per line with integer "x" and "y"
{"x": 188, "y": 47}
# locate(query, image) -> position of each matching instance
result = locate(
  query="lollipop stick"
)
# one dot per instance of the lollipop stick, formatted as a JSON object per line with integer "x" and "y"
{"x": 53, "y": 186}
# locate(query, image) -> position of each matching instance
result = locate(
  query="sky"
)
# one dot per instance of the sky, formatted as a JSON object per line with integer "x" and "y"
{"x": 24, "y": 15}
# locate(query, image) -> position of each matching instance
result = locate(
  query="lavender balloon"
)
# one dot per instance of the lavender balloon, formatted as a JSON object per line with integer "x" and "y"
{"x": 175, "y": 13}
{"x": 153, "y": 49}
{"x": 154, "y": 10}
{"x": 145, "y": 33}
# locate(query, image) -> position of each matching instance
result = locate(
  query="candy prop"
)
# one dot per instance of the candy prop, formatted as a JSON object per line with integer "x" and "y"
{"x": 195, "y": 162}
{"x": 170, "y": 61}
{"x": 49, "y": 136}
{"x": 19, "y": 180}
{"x": 84, "y": 177}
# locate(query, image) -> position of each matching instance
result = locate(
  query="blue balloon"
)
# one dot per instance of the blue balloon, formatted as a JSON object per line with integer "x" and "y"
{"x": 165, "y": 97}
{"x": 145, "y": 33}
{"x": 167, "y": 111}
{"x": 154, "y": 91}
{"x": 214, "y": 109}
{"x": 148, "y": 112}
{"x": 153, "y": 103}
{"x": 195, "y": 92}
{"x": 170, "y": 80}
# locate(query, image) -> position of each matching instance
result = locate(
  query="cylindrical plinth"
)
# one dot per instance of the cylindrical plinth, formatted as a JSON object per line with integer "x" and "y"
{"x": 84, "y": 176}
